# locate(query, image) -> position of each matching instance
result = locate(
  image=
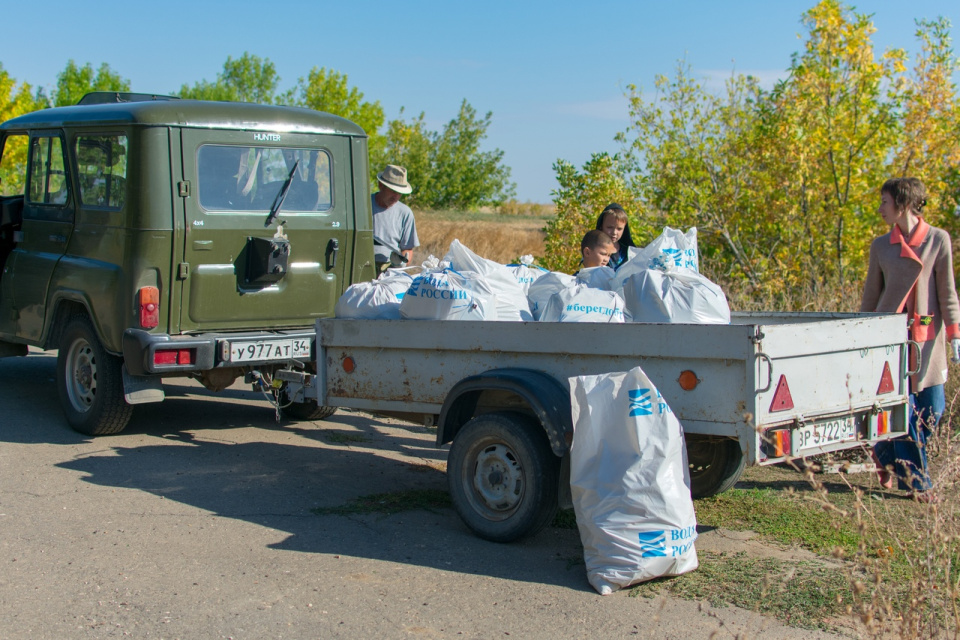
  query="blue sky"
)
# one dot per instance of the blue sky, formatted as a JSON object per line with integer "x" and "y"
{"x": 552, "y": 73}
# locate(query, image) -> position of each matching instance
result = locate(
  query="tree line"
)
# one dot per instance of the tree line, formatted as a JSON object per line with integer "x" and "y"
{"x": 447, "y": 168}
{"x": 782, "y": 184}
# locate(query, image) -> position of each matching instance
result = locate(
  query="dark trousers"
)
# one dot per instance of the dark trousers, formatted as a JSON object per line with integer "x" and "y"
{"x": 908, "y": 455}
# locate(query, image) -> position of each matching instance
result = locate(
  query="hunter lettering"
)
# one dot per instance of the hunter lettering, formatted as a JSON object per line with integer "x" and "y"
{"x": 266, "y": 137}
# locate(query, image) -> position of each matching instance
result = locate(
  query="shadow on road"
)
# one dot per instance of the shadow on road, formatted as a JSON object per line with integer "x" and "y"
{"x": 224, "y": 455}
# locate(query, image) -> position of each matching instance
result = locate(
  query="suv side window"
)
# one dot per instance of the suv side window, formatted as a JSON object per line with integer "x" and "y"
{"x": 48, "y": 183}
{"x": 239, "y": 178}
{"x": 13, "y": 165}
{"x": 102, "y": 170}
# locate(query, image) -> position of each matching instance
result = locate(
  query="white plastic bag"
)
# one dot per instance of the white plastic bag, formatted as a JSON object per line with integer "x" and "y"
{"x": 582, "y": 303}
{"x": 544, "y": 287}
{"x": 511, "y": 299}
{"x": 675, "y": 295}
{"x": 378, "y": 299}
{"x": 630, "y": 481}
{"x": 597, "y": 277}
{"x": 447, "y": 294}
{"x": 525, "y": 273}
{"x": 673, "y": 248}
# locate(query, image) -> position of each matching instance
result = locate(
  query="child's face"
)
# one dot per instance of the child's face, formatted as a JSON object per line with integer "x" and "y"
{"x": 613, "y": 227}
{"x": 598, "y": 257}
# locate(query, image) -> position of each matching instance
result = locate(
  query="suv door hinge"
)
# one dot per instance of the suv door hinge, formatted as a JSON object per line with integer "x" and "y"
{"x": 183, "y": 270}
{"x": 184, "y": 187}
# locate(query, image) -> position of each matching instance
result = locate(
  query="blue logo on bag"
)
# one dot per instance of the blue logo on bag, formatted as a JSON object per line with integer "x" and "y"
{"x": 673, "y": 255}
{"x": 640, "y": 404}
{"x": 653, "y": 544}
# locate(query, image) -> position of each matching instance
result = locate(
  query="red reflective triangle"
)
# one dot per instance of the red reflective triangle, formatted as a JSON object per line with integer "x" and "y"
{"x": 886, "y": 380}
{"x": 782, "y": 400}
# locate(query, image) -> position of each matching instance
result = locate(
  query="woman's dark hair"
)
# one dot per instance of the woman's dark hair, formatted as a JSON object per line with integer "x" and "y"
{"x": 907, "y": 193}
{"x": 617, "y": 212}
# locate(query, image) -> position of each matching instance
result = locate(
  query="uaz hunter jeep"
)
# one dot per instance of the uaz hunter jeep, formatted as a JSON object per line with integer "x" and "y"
{"x": 149, "y": 237}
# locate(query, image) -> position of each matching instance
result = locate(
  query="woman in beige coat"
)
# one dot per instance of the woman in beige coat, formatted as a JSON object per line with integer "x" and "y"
{"x": 911, "y": 271}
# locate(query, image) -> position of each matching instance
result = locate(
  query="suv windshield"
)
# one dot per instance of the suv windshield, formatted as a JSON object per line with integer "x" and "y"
{"x": 240, "y": 178}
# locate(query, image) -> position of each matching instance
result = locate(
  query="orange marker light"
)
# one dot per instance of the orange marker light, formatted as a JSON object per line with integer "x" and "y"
{"x": 349, "y": 365}
{"x": 688, "y": 380}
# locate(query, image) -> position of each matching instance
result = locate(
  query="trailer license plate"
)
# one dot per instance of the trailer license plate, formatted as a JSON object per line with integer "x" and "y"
{"x": 261, "y": 350}
{"x": 821, "y": 434}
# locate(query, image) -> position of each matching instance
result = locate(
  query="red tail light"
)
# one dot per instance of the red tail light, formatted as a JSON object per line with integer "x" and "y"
{"x": 173, "y": 356}
{"x": 149, "y": 303}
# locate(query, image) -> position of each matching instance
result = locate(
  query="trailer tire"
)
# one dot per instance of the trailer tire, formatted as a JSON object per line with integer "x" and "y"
{"x": 503, "y": 476}
{"x": 90, "y": 381}
{"x": 304, "y": 411}
{"x": 715, "y": 464}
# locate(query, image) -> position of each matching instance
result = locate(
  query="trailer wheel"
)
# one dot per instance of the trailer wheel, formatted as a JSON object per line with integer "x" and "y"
{"x": 715, "y": 464}
{"x": 503, "y": 476}
{"x": 302, "y": 411}
{"x": 90, "y": 382}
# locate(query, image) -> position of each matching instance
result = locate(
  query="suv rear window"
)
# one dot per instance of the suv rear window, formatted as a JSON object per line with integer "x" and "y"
{"x": 102, "y": 170}
{"x": 239, "y": 178}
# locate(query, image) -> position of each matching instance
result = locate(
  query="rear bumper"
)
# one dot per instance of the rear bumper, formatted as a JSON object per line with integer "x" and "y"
{"x": 140, "y": 348}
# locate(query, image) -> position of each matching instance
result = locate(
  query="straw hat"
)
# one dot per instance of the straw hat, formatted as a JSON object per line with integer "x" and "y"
{"x": 395, "y": 177}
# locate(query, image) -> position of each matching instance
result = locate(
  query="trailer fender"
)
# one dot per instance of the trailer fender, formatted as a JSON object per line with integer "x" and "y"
{"x": 527, "y": 389}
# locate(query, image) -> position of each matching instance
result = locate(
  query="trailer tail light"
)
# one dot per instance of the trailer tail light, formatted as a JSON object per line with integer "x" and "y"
{"x": 776, "y": 443}
{"x": 148, "y": 299}
{"x": 782, "y": 400}
{"x": 880, "y": 423}
{"x": 174, "y": 356}
{"x": 886, "y": 380}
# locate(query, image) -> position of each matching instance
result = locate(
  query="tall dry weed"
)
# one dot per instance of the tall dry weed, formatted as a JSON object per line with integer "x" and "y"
{"x": 905, "y": 574}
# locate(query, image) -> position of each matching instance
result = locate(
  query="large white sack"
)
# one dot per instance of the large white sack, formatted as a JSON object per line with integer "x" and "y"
{"x": 629, "y": 481}
{"x": 672, "y": 248}
{"x": 511, "y": 298}
{"x": 449, "y": 295}
{"x": 597, "y": 277}
{"x": 582, "y": 303}
{"x": 544, "y": 287}
{"x": 526, "y": 273}
{"x": 378, "y": 299}
{"x": 675, "y": 295}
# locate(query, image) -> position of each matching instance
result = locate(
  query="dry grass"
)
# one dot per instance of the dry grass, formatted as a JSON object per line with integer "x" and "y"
{"x": 499, "y": 238}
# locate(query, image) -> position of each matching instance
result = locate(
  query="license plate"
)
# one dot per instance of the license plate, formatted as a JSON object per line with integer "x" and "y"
{"x": 827, "y": 432}
{"x": 261, "y": 350}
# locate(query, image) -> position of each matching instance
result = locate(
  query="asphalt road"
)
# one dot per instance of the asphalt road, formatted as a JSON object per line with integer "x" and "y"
{"x": 196, "y": 522}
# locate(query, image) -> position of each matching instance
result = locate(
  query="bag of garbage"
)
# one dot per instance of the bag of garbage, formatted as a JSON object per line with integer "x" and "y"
{"x": 375, "y": 300}
{"x": 597, "y": 277}
{"x": 447, "y": 294}
{"x": 582, "y": 303}
{"x": 629, "y": 481}
{"x": 511, "y": 299}
{"x": 544, "y": 287}
{"x": 672, "y": 248}
{"x": 525, "y": 273}
{"x": 674, "y": 295}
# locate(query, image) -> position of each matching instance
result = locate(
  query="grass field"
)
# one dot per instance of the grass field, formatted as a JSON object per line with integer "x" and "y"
{"x": 502, "y": 238}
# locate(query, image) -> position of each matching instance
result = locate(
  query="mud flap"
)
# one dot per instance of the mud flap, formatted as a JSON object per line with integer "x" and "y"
{"x": 141, "y": 389}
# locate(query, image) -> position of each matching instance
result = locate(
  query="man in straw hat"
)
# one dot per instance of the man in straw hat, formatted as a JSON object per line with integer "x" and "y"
{"x": 394, "y": 229}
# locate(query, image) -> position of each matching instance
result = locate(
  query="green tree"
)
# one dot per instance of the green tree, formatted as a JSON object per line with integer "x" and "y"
{"x": 246, "y": 79}
{"x": 447, "y": 169}
{"x": 75, "y": 82}
{"x": 15, "y": 100}
{"x": 581, "y": 197}
{"x": 328, "y": 90}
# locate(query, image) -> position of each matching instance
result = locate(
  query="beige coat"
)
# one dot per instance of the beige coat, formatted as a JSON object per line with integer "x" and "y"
{"x": 916, "y": 277}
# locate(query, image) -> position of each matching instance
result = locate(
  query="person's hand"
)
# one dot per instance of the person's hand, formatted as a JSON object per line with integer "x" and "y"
{"x": 955, "y": 351}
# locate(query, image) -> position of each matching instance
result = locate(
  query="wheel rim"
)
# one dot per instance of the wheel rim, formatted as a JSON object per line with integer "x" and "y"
{"x": 496, "y": 482}
{"x": 81, "y": 374}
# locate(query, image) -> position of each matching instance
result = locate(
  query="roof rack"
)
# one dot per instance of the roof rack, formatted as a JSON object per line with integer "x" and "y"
{"x": 107, "y": 97}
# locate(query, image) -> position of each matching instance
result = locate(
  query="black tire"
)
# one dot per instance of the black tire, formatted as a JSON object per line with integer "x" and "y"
{"x": 90, "y": 382}
{"x": 308, "y": 410}
{"x": 715, "y": 464}
{"x": 503, "y": 476}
